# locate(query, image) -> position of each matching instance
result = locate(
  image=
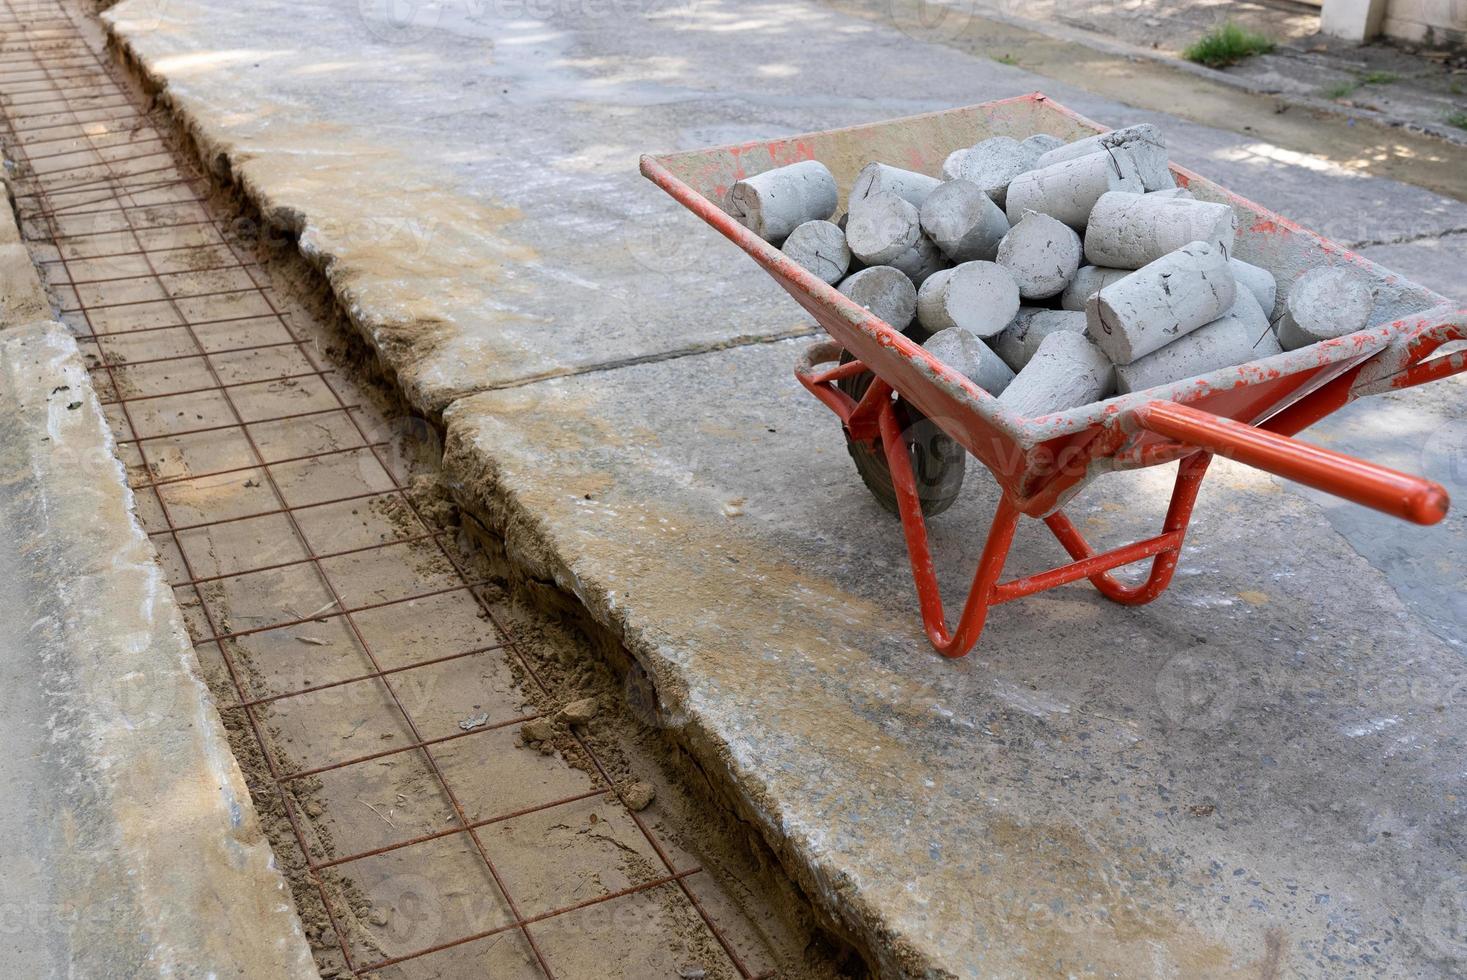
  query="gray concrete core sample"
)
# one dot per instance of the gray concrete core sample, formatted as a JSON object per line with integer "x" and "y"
{"x": 881, "y": 227}
{"x": 921, "y": 260}
{"x": 1067, "y": 371}
{"x": 992, "y": 165}
{"x": 878, "y": 178}
{"x": 966, "y": 353}
{"x": 1043, "y": 253}
{"x": 1143, "y": 144}
{"x": 1068, "y": 190}
{"x": 1020, "y": 340}
{"x": 776, "y": 202}
{"x": 1127, "y": 231}
{"x": 1238, "y": 336}
{"x": 133, "y": 848}
{"x": 1155, "y": 305}
{"x": 820, "y": 248}
{"x": 963, "y": 221}
{"x": 1040, "y": 144}
{"x": 1258, "y": 281}
{"x": 1089, "y": 279}
{"x": 980, "y": 297}
{"x": 886, "y": 292}
{"x": 1328, "y": 301}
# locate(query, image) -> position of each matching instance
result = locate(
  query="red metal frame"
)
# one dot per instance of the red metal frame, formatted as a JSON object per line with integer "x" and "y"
{"x": 1039, "y": 463}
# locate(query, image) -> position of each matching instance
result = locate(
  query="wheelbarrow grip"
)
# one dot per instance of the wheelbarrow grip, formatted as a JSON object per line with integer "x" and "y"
{"x": 1401, "y": 495}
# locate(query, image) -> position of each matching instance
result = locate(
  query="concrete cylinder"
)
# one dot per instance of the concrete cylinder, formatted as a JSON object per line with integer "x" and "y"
{"x": 820, "y": 248}
{"x": 963, "y": 221}
{"x": 1128, "y": 231}
{"x": 992, "y": 164}
{"x": 1040, "y": 144}
{"x": 1233, "y": 338}
{"x": 1020, "y": 340}
{"x": 1043, "y": 254}
{"x": 1161, "y": 302}
{"x": 1067, "y": 371}
{"x": 921, "y": 260}
{"x": 979, "y": 297}
{"x": 882, "y": 227}
{"x": 1143, "y": 144}
{"x": 1069, "y": 189}
{"x": 1089, "y": 279}
{"x": 1258, "y": 281}
{"x": 964, "y": 352}
{"x": 776, "y": 202}
{"x": 886, "y": 292}
{"x": 878, "y": 178}
{"x": 1330, "y": 301}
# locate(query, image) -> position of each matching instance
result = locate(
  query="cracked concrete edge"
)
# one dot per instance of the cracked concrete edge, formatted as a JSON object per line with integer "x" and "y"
{"x": 1121, "y": 49}
{"x": 22, "y": 297}
{"x": 142, "y": 827}
{"x": 536, "y": 553}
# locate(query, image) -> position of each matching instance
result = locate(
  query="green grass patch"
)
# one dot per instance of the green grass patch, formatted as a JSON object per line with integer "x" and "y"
{"x": 1339, "y": 89}
{"x": 1379, "y": 78}
{"x": 1226, "y": 45}
{"x": 1458, "y": 119}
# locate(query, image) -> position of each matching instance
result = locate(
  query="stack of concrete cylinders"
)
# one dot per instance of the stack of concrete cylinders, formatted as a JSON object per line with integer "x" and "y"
{"x": 886, "y": 292}
{"x": 1019, "y": 341}
{"x": 1159, "y": 299}
{"x": 963, "y": 351}
{"x": 776, "y": 202}
{"x": 1161, "y": 302}
{"x": 1043, "y": 254}
{"x": 979, "y": 297}
{"x": 1068, "y": 190}
{"x": 963, "y": 221}
{"x": 1324, "y": 303}
{"x": 1067, "y": 371}
{"x": 1142, "y": 145}
{"x": 1241, "y": 335}
{"x": 1128, "y": 231}
{"x": 1089, "y": 280}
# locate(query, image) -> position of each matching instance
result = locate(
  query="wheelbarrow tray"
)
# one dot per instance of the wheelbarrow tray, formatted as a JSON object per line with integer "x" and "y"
{"x": 1041, "y": 462}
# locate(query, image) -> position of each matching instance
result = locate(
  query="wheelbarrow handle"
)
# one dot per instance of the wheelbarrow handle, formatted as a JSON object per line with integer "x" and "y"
{"x": 1401, "y": 495}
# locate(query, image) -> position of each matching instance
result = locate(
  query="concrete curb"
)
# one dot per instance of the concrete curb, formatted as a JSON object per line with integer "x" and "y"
{"x": 135, "y": 847}
{"x": 1123, "y": 50}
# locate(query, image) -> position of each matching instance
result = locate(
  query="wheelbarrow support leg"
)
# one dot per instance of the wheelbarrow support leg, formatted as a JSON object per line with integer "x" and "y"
{"x": 914, "y": 527}
{"x": 1178, "y": 514}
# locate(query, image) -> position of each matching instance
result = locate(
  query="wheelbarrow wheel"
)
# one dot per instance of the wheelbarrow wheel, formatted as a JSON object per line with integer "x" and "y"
{"x": 937, "y": 460}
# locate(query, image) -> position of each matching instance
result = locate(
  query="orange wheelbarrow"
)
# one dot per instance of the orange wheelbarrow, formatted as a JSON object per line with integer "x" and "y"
{"x": 910, "y": 421}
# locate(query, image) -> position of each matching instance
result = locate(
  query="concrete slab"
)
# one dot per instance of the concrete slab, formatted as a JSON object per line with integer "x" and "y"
{"x": 467, "y": 178}
{"x": 131, "y": 844}
{"x": 1256, "y": 775}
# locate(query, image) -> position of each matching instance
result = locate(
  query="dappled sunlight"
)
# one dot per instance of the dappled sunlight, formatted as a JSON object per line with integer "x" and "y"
{"x": 202, "y": 62}
{"x": 1277, "y": 154}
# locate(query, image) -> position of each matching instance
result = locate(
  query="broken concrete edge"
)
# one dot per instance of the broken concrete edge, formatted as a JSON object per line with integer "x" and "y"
{"x": 223, "y": 161}
{"x": 143, "y": 815}
{"x": 1110, "y": 46}
{"x": 22, "y": 297}
{"x": 530, "y": 551}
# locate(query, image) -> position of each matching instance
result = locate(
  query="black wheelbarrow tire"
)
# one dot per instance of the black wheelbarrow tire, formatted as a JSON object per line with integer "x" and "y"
{"x": 937, "y": 460}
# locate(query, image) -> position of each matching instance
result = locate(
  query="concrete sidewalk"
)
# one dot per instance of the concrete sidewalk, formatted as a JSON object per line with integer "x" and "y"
{"x": 1257, "y": 774}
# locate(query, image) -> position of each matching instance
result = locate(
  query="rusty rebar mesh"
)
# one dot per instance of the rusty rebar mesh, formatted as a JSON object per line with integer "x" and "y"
{"x": 324, "y": 596}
